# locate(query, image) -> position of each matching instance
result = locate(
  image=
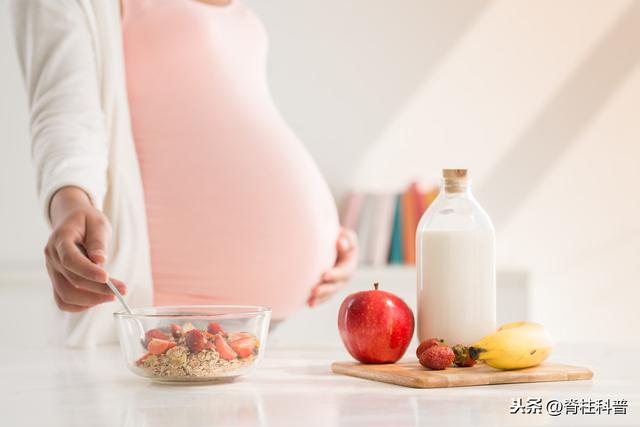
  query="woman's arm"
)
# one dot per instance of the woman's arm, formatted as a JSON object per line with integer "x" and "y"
{"x": 76, "y": 249}
{"x": 68, "y": 131}
{"x": 69, "y": 143}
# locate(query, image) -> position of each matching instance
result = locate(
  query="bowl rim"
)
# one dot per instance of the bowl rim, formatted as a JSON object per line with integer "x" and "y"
{"x": 146, "y": 312}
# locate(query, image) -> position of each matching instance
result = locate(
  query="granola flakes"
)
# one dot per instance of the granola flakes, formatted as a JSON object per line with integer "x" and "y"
{"x": 190, "y": 353}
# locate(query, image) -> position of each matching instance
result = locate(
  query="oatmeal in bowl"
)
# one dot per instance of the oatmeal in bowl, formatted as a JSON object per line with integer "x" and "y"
{"x": 193, "y": 343}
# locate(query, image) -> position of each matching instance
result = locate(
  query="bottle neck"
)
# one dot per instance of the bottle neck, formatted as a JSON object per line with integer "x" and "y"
{"x": 456, "y": 187}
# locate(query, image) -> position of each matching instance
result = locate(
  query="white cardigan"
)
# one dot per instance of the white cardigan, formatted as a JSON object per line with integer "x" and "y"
{"x": 70, "y": 52}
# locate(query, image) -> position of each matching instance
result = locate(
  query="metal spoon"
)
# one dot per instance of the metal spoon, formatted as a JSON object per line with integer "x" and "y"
{"x": 118, "y": 295}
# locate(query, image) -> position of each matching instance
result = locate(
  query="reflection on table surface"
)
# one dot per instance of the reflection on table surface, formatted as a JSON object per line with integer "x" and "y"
{"x": 291, "y": 387}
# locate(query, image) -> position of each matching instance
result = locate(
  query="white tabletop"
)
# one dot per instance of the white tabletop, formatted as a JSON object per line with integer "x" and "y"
{"x": 61, "y": 387}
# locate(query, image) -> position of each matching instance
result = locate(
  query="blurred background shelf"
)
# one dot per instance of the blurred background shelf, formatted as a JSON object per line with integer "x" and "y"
{"x": 309, "y": 327}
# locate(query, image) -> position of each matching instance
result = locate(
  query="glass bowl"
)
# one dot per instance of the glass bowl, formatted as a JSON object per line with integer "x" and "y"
{"x": 206, "y": 343}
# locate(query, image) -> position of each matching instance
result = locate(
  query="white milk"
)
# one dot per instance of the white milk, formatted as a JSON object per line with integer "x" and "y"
{"x": 457, "y": 295}
{"x": 455, "y": 260}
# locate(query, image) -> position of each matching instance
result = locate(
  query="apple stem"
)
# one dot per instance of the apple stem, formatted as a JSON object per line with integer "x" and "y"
{"x": 375, "y": 286}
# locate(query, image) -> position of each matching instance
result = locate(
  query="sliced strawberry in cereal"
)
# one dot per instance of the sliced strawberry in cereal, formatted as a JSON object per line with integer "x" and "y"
{"x": 234, "y": 336}
{"x": 244, "y": 346}
{"x": 195, "y": 340}
{"x": 176, "y": 330}
{"x": 142, "y": 358}
{"x": 215, "y": 328}
{"x": 158, "y": 346}
{"x": 154, "y": 333}
{"x": 223, "y": 349}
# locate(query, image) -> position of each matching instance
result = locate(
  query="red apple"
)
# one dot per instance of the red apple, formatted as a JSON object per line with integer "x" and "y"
{"x": 375, "y": 326}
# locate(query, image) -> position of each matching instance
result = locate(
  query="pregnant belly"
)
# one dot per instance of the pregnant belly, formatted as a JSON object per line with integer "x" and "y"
{"x": 242, "y": 216}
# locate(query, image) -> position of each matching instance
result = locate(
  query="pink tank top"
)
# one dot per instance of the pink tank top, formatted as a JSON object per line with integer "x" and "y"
{"x": 237, "y": 210}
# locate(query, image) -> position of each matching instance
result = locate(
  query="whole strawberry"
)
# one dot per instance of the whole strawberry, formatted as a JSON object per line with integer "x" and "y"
{"x": 195, "y": 340}
{"x": 437, "y": 357}
{"x": 463, "y": 358}
{"x": 426, "y": 344}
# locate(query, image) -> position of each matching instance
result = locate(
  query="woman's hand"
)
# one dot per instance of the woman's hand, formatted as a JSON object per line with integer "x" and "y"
{"x": 346, "y": 263}
{"x": 76, "y": 250}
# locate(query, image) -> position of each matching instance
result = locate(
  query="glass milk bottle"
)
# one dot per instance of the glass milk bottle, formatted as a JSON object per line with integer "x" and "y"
{"x": 455, "y": 260}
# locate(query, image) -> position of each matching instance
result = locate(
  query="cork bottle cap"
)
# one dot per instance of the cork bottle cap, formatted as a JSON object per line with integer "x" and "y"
{"x": 455, "y": 180}
{"x": 454, "y": 173}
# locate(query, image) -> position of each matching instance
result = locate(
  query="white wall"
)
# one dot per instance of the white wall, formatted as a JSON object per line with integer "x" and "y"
{"x": 538, "y": 98}
{"x": 340, "y": 70}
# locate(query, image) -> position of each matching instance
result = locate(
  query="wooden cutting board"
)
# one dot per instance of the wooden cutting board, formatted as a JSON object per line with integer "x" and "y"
{"x": 414, "y": 375}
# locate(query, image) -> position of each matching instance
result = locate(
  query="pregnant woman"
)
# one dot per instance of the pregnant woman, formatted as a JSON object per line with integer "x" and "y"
{"x": 162, "y": 161}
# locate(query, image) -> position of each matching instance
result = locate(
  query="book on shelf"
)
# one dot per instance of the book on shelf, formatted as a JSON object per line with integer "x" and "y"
{"x": 409, "y": 223}
{"x": 386, "y": 223}
{"x": 351, "y": 210}
{"x": 382, "y": 221}
{"x": 396, "y": 254}
{"x": 364, "y": 227}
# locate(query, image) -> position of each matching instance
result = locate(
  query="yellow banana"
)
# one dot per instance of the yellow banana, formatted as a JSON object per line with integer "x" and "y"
{"x": 514, "y": 346}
